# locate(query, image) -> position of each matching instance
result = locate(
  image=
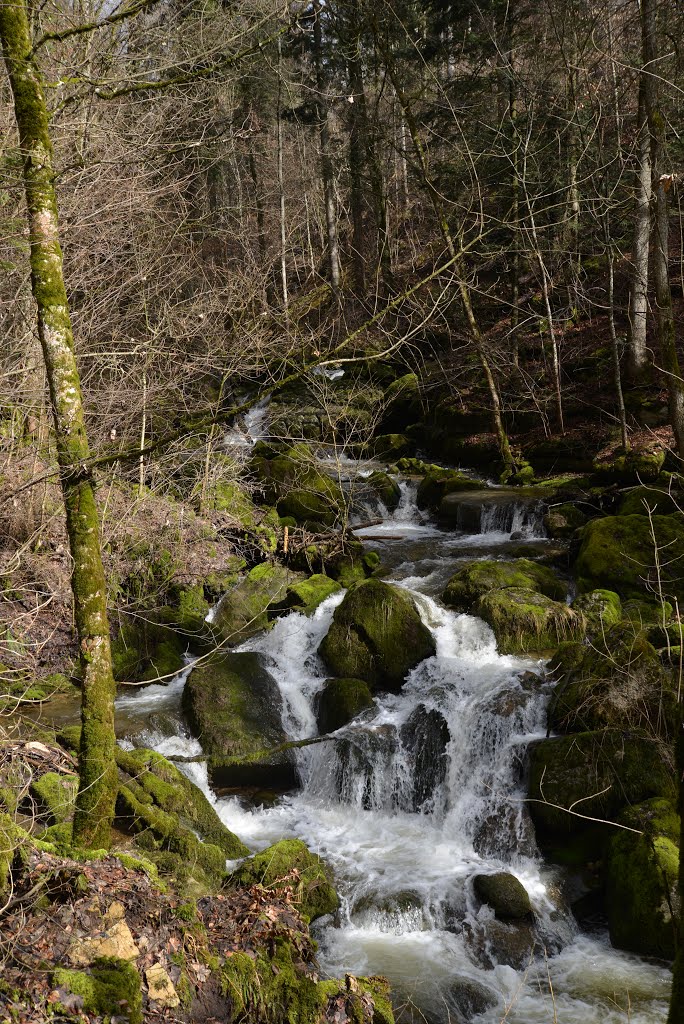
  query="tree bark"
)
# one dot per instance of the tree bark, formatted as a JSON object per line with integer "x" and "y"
{"x": 98, "y": 774}
{"x": 326, "y": 160}
{"x": 637, "y": 353}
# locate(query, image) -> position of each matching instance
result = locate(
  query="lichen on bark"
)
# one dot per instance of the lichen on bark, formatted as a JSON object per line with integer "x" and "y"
{"x": 98, "y": 780}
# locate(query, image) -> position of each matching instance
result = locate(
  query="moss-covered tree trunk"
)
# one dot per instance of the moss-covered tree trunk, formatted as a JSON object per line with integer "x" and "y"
{"x": 97, "y": 790}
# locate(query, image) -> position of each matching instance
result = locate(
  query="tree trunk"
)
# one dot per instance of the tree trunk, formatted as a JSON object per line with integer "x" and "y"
{"x": 326, "y": 160}
{"x": 637, "y": 354}
{"x": 98, "y": 774}
{"x": 281, "y": 185}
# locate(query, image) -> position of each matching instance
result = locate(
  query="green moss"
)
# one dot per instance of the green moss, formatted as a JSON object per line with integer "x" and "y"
{"x": 376, "y": 635}
{"x": 478, "y": 578}
{"x": 619, "y": 682}
{"x": 243, "y": 610}
{"x": 562, "y": 520}
{"x": 192, "y": 604}
{"x": 229, "y": 496}
{"x": 290, "y": 864}
{"x": 392, "y": 446}
{"x": 617, "y": 553}
{"x": 659, "y": 500}
{"x": 601, "y": 610}
{"x": 111, "y": 988}
{"x": 524, "y": 620}
{"x": 154, "y": 780}
{"x": 505, "y": 894}
{"x": 637, "y": 466}
{"x": 340, "y": 701}
{"x": 604, "y": 770}
{"x": 385, "y": 488}
{"x": 437, "y": 483}
{"x": 305, "y": 596}
{"x": 138, "y": 863}
{"x": 641, "y": 880}
{"x": 233, "y": 705}
{"x": 292, "y": 480}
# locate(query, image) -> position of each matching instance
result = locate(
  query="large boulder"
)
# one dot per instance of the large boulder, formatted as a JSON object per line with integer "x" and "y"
{"x": 478, "y": 578}
{"x": 618, "y": 553}
{"x": 642, "y": 896}
{"x": 595, "y": 774}
{"x": 524, "y": 620}
{"x": 290, "y": 865}
{"x": 233, "y": 705}
{"x": 243, "y": 610}
{"x": 376, "y": 635}
{"x": 340, "y": 701}
{"x": 563, "y": 519}
{"x": 619, "y": 682}
{"x": 379, "y": 486}
{"x": 426, "y": 735}
{"x": 657, "y": 499}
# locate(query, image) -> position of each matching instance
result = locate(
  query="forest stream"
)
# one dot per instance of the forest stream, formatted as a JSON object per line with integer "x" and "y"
{"x": 423, "y": 792}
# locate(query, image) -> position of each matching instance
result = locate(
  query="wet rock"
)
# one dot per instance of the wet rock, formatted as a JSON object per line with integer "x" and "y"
{"x": 561, "y": 521}
{"x": 505, "y": 894}
{"x": 340, "y": 701}
{"x": 376, "y": 635}
{"x": 642, "y": 897}
{"x": 234, "y": 706}
{"x": 427, "y": 736}
{"x": 381, "y": 486}
{"x": 290, "y": 864}
{"x": 466, "y": 998}
{"x": 497, "y": 943}
{"x": 478, "y": 578}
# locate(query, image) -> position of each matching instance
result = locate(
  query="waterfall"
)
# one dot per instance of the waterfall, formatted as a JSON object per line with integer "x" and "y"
{"x": 252, "y": 428}
{"x": 513, "y": 517}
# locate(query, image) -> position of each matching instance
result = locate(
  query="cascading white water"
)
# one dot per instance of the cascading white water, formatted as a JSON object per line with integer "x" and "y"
{"x": 252, "y": 427}
{"x": 515, "y": 517}
{"x": 418, "y": 795}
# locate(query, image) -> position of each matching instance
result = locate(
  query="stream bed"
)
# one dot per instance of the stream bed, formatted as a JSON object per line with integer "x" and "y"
{"x": 420, "y": 794}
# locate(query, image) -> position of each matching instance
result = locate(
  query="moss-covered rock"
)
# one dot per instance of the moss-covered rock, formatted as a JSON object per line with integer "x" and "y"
{"x": 294, "y": 482}
{"x": 658, "y": 499}
{"x": 619, "y": 682}
{"x": 642, "y": 898}
{"x": 155, "y": 780}
{"x": 233, "y": 705}
{"x": 601, "y": 610}
{"x": 505, "y": 894}
{"x": 243, "y": 610}
{"x": 636, "y": 466}
{"x": 524, "y": 620}
{"x": 437, "y": 483}
{"x": 384, "y": 487}
{"x": 562, "y": 520}
{"x": 290, "y": 864}
{"x": 55, "y": 795}
{"x": 340, "y": 701}
{"x": 376, "y": 635}
{"x": 306, "y": 595}
{"x": 392, "y": 446}
{"x": 596, "y": 773}
{"x": 110, "y": 988}
{"x": 479, "y": 578}
{"x": 617, "y": 553}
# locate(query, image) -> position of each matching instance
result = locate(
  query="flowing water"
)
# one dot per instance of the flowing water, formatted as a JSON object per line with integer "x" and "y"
{"x": 420, "y": 794}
